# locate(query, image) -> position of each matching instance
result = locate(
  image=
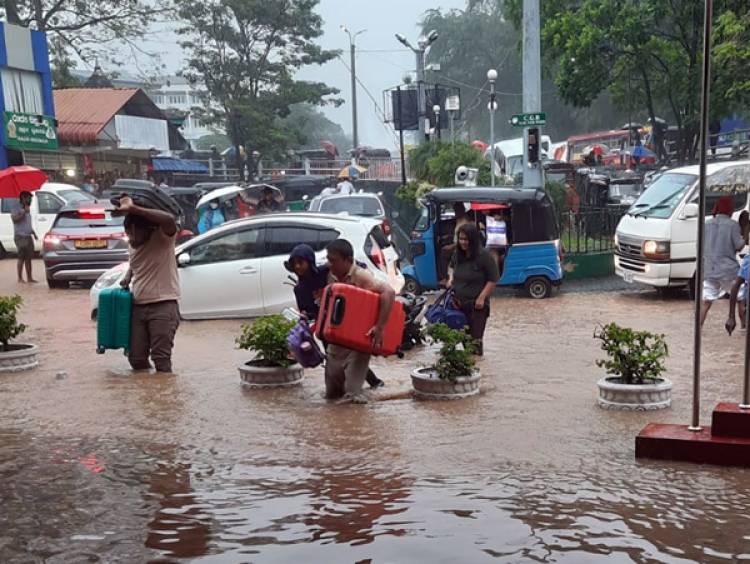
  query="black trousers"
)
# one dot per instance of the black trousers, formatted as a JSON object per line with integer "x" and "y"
{"x": 477, "y": 319}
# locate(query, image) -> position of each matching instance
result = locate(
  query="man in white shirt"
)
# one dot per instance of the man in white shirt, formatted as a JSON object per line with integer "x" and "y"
{"x": 345, "y": 186}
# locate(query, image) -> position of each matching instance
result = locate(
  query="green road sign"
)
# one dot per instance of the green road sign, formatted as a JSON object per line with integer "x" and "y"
{"x": 525, "y": 120}
{"x": 29, "y": 131}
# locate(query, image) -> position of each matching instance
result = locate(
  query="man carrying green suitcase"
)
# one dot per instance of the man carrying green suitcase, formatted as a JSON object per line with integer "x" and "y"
{"x": 155, "y": 285}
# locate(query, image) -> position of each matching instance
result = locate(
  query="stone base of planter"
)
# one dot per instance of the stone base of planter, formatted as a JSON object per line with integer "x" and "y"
{"x": 254, "y": 376}
{"x": 427, "y": 385}
{"x": 642, "y": 397}
{"x": 19, "y": 358}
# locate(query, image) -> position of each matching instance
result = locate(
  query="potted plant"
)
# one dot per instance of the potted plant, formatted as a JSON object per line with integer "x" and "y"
{"x": 635, "y": 363}
{"x": 14, "y": 357}
{"x": 454, "y": 375}
{"x": 271, "y": 367}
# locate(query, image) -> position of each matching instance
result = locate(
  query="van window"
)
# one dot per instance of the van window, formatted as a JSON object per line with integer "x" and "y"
{"x": 48, "y": 203}
{"x": 662, "y": 197}
{"x": 8, "y": 205}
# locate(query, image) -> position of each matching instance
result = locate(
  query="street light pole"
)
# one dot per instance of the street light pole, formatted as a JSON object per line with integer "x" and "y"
{"x": 423, "y": 42}
{"x": 492, "y": 77}
{"x": 353, "y": 69}
{"x": 436, "y": 111}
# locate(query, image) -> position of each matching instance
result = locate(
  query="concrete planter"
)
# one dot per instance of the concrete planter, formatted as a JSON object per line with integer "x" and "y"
{"x": 634, "y": 397}
{"x": 19, "y": 358}
{"x": 427, "y": 385}
{"x": 255, "y": 376}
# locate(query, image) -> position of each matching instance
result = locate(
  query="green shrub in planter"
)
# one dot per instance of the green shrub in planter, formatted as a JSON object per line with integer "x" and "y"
{"x": 266, "y": 337}
{"x": 456, "y": 355}
{"x": 636, "y": 357}
{"x": 9, "y": 326}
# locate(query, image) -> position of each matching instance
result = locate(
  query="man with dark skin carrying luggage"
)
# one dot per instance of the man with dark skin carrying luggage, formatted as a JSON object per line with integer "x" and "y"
{"x": 155, "y": 285}
{"x": 346, "y": 369}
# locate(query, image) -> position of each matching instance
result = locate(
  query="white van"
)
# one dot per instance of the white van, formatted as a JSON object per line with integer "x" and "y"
{"x": 655, "y": 242}
{"x": 47, "y": 201}
{"x": 512, "y": 151}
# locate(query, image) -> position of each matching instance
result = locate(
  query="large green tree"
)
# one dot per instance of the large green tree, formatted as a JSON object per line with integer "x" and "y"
{"x": 309, "y": 126}
{"x": 473, "y": 40}
{"x": 647, "y": 53}
{"x": 95, "y": 28}
{"x": 247, "y": 53}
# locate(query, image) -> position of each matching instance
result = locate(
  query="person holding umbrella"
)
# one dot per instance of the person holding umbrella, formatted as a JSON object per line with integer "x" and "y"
{"x": 268, "y": 203}
{"x": 24, "y": 236}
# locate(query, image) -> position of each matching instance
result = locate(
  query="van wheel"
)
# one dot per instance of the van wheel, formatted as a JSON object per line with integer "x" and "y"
{"x": 691, "y": 288}
{"x": 538, "y": 287}
{"x": 411, "y": 286}
{"x": 3, "y": 252}
{"x": 53, "y": 284}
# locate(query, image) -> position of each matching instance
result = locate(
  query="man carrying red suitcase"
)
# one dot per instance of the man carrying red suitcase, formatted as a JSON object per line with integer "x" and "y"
{"x": 156, "y": 285}
{"x": 346, "y": 369}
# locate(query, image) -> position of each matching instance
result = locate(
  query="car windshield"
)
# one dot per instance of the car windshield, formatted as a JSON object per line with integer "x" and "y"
{"x": 662, "y": 197}
{"x": 74, "y": 196}
{"x": 368, "y": 207}
{"x": 74, "y": 220}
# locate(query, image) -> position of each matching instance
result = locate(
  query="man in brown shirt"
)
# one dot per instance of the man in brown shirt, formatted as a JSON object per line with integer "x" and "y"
{"x": 155, "y": 285}
{"x": 346, "y": 369}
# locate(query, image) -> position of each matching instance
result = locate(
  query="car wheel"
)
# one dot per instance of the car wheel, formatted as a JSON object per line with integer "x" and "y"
{"x": 411, "y": 286}
{"x": 55, "y": 284}
{"x": 538, "y": 287}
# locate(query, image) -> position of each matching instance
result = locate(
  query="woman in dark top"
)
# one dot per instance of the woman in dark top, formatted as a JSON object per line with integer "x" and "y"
{"x": 475, "y": 274}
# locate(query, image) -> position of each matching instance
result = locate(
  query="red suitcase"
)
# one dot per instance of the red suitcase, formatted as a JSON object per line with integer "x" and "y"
{"x": 347, "y": 313}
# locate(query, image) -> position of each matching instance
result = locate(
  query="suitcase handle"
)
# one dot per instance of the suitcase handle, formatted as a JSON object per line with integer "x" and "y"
{"x": 339, "y": 309}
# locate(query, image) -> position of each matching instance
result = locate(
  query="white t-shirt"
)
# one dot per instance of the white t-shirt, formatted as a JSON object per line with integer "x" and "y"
{"x": 327, "y": 191}
{"x": 345, "y": 187}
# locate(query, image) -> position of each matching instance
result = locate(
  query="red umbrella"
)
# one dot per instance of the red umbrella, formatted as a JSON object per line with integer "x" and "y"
{"x": 330, "y": 148}
{"x": 17, "y": 179}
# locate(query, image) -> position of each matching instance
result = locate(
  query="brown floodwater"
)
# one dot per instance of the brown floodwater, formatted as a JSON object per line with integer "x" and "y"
{"x": 103, "y": 465}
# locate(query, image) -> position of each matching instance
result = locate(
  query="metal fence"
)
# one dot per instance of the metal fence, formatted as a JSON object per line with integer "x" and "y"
{"x": 589, "y": 230}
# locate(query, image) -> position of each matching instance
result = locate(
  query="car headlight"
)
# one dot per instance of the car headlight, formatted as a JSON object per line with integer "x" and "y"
{"x": 656, "y": 249}
{"x": 617, "y": 241}
{"x": 107, "y": 279}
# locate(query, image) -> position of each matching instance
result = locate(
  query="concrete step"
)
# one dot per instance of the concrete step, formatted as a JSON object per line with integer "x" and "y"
{"x": 675, "y": 442}
{"x": 729, "y": 420}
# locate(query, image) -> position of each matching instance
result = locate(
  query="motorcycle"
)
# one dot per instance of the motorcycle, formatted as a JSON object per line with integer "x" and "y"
{"x": 414, "y": 308}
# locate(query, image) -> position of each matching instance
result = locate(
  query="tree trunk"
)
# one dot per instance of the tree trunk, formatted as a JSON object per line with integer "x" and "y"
{"x": 41, "y": 22}
{"x": 11, "y": 13}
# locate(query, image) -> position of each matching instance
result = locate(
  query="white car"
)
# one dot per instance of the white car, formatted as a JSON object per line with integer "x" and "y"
{"x": 47, "y": 201}
{"x": 237, "y": 270}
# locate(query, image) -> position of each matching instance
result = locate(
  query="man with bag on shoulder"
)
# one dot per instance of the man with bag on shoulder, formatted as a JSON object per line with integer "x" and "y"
{"x": 155, "y": 285}
{"x": 475, "y": 274}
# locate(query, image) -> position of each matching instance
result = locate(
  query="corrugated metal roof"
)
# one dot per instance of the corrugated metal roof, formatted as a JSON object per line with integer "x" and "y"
{"x": 83, "y": 112}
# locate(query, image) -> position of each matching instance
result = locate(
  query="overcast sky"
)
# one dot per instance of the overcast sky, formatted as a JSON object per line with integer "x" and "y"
{"x": 381, "y": 62}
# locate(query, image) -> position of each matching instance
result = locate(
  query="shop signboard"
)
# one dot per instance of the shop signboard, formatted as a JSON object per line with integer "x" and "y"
{"x": 27, "y": 132}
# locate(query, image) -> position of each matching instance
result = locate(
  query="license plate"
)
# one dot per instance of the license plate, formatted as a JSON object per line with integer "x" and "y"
{"x": 627, "y": 276}
{"x": 91, "y": 244}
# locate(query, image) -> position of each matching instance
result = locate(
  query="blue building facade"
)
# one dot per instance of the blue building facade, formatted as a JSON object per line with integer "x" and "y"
{"x": 26, "y": 102}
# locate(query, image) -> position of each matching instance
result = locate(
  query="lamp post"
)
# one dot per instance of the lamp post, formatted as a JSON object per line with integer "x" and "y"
{"x": 492, "y": 106}
{"x": 436, "y": 111}
{"x": 422, "y": 44}
{"x": 352, "y": 51}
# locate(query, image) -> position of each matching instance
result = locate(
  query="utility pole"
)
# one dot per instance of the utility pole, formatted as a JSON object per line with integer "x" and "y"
{"x": 532, "y": 87}
{"x": 423, "y": 42}
{"x": 353, "y": 69}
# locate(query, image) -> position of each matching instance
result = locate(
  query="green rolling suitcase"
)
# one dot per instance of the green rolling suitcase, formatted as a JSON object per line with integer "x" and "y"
{"x": 113, "y": 319}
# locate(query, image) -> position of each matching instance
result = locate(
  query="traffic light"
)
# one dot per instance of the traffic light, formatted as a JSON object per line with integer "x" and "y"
{"x": 533, "y": 148}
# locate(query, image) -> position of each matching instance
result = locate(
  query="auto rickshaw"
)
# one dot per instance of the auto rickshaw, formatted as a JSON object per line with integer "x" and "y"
{"x": 532, "y": 259}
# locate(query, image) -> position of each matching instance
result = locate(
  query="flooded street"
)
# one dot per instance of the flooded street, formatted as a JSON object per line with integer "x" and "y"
{"x": 101, "y": 465}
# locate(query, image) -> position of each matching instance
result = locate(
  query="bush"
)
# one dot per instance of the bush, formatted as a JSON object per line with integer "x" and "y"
{"x": 412, "y": 191}
{"x": 456, "y": 356}
{"x": 267, "y": 338}
{"x": 634, "y": 356}
{"x": 436, "y": 162}
{"x": 9, "y": 326}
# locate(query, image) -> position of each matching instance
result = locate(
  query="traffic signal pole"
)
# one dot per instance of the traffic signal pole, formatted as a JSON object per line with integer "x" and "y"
{"x": 532, "y": 89}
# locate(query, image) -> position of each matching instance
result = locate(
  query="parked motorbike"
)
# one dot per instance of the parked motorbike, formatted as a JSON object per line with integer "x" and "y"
{"x": 414, "y": 308}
